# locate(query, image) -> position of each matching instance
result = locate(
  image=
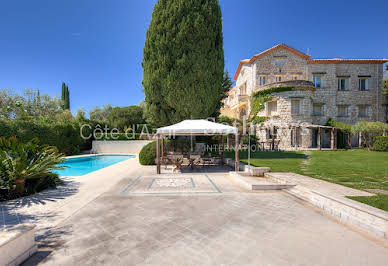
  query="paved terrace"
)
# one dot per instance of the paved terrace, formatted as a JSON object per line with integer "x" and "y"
{"x": 126, "y": 215}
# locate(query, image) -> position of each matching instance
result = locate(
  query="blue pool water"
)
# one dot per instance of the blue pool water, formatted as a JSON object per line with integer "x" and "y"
{"x": 85, "y": 165}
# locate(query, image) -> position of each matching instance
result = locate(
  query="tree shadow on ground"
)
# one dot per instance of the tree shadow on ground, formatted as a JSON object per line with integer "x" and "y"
{"x": 12, "y": 211}
{"x": 69, "y": 188}
{"x": 47, "y": 243}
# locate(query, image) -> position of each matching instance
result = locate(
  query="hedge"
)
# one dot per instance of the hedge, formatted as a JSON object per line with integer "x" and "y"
{"x": 65, "y": 136}
{"x": 147, "y": 154}
{"x": 380, "y": 143}
{"x": 121, "y": 136}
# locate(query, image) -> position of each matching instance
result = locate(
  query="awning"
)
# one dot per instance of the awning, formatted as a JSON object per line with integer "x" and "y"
{"x": 197, "y": 127}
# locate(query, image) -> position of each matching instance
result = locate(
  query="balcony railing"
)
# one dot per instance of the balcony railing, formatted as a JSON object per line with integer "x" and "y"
{"x": 238, "y": 100}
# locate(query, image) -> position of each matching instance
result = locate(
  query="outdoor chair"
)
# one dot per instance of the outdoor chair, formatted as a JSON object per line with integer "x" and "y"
{"x": 177, "y": 160}
{"x": 206, "y": 161}
{"x": 166, "y": 160}
{"x": 195, "y": 160}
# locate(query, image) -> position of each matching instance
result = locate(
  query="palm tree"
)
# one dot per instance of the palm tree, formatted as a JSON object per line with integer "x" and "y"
{"x": 22, "y": 161}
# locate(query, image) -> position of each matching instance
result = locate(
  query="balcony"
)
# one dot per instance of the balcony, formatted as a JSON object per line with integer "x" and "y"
{"x": 238, "y": 101}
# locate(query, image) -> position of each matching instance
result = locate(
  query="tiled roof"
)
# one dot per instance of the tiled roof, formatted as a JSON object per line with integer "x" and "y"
{"x": 347, "y": 61}
{"x": 307, "y": 58}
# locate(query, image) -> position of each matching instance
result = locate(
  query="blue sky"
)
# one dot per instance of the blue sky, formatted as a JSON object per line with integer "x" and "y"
{"x": 96, "y": 46}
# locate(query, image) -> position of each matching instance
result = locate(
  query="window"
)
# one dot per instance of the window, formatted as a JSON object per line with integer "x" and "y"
{"x": 363, "y": 84}
{"x": 243, "y": 89}
{"x": 363, "y": 111}
{"x": 242, "y": 113}
{"x": 295, "y": 106}
{"x": 295, "y": 77}
{"x": 271, "y": 133}
{"x": 317, "y": 81}
{"x": 272, "y": 108}
{"x": 343, "y": 84}
{"x": 262, "y": 80}
{"x": 342, "y": 110}
{"x": 278, "y": 78}
{"x": 280, "y": 61}
{"x": 317, "y": 109}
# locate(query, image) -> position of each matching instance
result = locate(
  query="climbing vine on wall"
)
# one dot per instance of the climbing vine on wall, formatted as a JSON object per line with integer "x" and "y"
{"x": 346, "y": 128}
{"x": 260, "y": 98}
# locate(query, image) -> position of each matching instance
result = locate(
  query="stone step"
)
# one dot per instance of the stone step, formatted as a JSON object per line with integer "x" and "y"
{"x": 256, "y": 171}
{"x": 17, "y": 245}
{"x": 256, "y": 183}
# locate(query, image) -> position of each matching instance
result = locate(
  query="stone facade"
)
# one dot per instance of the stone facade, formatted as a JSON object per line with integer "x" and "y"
{"x": 346, "y": 90}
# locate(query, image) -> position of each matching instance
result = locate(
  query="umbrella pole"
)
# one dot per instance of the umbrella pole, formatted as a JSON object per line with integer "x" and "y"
{"x": 249, "y": 149}
{"x": 157, "y": 154}
{"x": 191, "y": 142}
{"x": 237, "y": 160}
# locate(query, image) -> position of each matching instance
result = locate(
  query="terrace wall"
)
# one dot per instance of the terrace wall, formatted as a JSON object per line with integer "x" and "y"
{"x": 119, "y": 146}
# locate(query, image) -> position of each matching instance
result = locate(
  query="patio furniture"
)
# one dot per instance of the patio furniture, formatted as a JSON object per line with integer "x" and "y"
{"x": 206, "y": 161}
{"x": 194, "y": 160}
{"x": 198, "y": 127}
{"x": 166, "y": 160}
{"x": 177, "y": 160}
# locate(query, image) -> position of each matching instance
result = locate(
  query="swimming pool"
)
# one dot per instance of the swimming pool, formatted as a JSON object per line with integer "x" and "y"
{"x": 85, "y": 165}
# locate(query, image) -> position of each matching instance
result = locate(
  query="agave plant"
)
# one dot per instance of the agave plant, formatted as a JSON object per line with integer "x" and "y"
{"x": 23, "y": 161}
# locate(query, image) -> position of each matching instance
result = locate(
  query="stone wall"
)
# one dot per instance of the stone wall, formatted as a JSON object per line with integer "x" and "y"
{"x": 119, "y": 146}
{"x": 296, "y": 67}
{"x": 331, "y": 97}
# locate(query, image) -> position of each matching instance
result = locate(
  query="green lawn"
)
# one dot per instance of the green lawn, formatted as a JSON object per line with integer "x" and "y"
{"x": 360, "y": 169}
{"x": 380, "y": 201}
{"x": 278, "y": 161}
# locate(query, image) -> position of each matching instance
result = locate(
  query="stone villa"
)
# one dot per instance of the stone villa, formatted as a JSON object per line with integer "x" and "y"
{"x": 346, "y": 90}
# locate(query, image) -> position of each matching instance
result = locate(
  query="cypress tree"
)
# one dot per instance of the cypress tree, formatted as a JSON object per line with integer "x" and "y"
{"x": 65, "y": 97}
{"x": 67, "y": 102}
{"x": 183, "y": 61}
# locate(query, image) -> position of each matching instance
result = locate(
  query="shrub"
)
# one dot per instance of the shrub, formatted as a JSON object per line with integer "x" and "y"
{"x": 369, "y": 130}
{"x": 380, "y": 143}
{"x": 121, "y": 136}
{"x": 26, "y": 167}
{"x": 64, "y": 135}
{"x": 147, "y": 154}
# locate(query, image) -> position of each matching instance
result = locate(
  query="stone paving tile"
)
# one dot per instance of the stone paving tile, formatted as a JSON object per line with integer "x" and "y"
{"x": 235, "y": 228}
{"x": 378, "y": 191}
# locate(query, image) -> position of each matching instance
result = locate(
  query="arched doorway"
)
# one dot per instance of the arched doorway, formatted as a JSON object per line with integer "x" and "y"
{"x": 243, "y": 113}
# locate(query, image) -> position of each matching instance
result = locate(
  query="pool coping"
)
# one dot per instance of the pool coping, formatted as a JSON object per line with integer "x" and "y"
{"x": 96, "y": 154}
